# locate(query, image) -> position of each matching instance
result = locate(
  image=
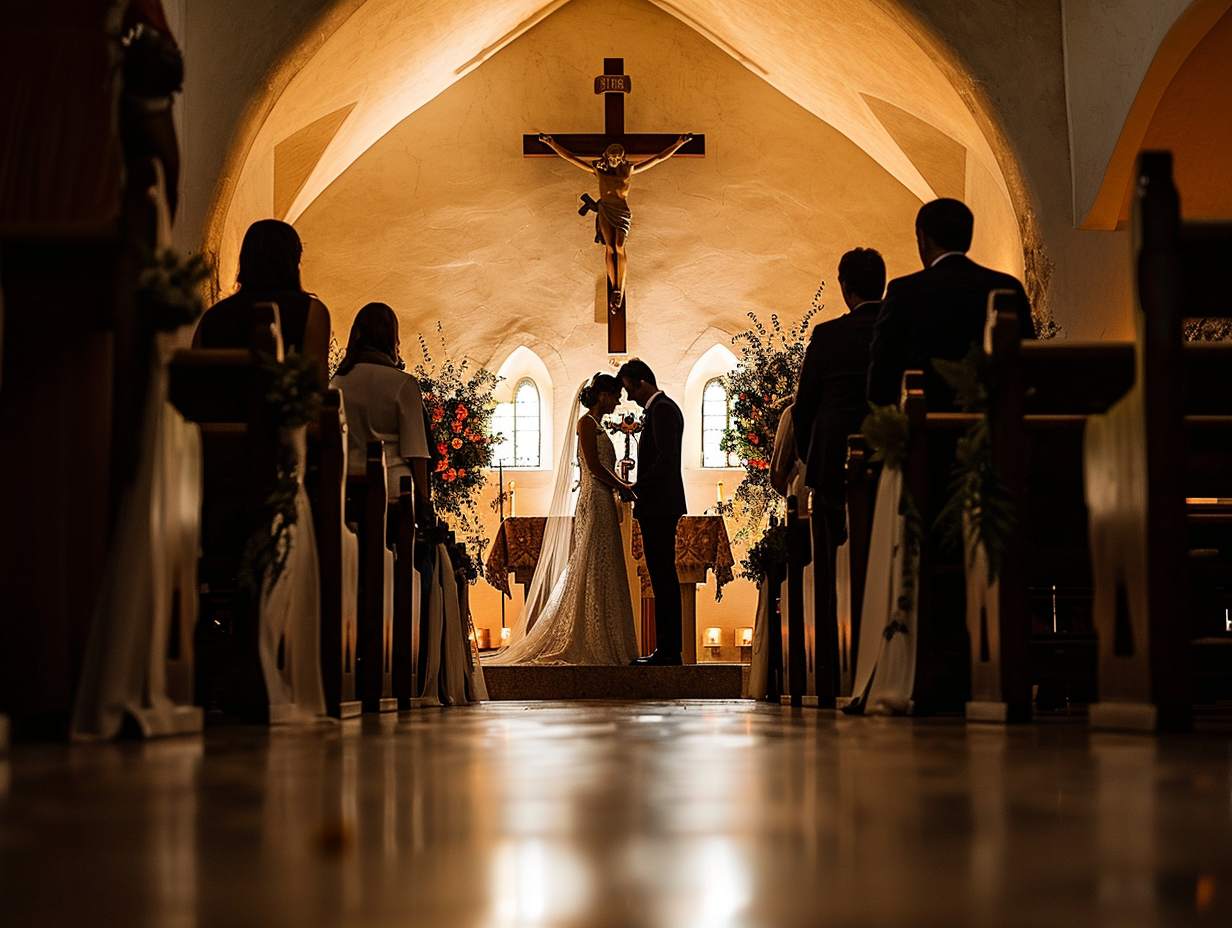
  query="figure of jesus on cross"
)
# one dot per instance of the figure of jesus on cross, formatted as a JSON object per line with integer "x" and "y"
{"x": 615, "y": 173}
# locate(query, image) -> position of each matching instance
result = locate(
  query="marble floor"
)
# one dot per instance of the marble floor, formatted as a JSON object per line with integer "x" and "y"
{"x": 705, "y": 814}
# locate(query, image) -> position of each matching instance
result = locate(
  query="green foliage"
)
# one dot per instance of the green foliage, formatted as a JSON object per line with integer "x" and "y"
{"x": 759, "y": 389}
{"x": 970, "y": 378}
{"x": 885, "y": 430}
{"x": 459, "y": 404}
{"x": 978, "y": 499}
{"x": 292, "y": 392}
{"x": 168, "y": 292}
{"x": 766, "y": 554}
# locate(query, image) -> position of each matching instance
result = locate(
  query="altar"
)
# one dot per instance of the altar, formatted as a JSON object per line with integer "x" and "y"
{"x": 702, "y": 545}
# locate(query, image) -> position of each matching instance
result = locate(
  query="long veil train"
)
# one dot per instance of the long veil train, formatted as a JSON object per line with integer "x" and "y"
{"x": 557, "y": 535}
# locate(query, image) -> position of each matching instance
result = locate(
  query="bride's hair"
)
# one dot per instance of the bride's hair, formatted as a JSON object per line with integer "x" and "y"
{"x": 602, "y": 383}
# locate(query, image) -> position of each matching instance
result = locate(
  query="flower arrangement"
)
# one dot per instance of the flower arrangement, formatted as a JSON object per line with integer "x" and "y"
{"x": 759, "y": 389}
{"x": 765, "y": 555}
{"x": 459, "y": 404}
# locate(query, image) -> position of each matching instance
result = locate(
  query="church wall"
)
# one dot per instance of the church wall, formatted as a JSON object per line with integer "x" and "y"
{"x": 1013, "y": 52}
{"x": 444, "y": 220}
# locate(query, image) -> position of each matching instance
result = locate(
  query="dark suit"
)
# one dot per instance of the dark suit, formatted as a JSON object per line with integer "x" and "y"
{"x": 831, "y": 403}
{"x": 938, "y": 312}
{"x": 660, "y": 504}
{"x": 832, "y": 399}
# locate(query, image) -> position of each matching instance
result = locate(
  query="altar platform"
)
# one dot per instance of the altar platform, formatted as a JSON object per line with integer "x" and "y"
{"x": 690, "y": 681}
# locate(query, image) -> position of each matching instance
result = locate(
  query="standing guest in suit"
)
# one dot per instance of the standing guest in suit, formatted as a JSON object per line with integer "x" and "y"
{"x": 660, "y": 503}
{"x": 831, "y": 402}
{"x": 269, "y": 273}
{"x": 938, "y": 312}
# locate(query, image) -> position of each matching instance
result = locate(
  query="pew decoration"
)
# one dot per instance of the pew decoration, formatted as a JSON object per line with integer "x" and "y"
{"x": 168, "y": 292}
{"x": 979, "y": 514}
{"x": 292, "y": 400}
{"x": 459, "y": 404}
{"x": 452, "y": 674}
{"x": 139, "y": 657}
{"x": 886, "y": 656}
{"x": 759, "y": 389}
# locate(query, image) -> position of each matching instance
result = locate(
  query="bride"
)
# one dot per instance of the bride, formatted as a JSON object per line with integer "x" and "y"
{"x": 577, "y": 608}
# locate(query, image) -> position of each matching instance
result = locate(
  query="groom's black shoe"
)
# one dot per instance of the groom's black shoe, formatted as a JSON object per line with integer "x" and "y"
{"x": 658, "y": 659}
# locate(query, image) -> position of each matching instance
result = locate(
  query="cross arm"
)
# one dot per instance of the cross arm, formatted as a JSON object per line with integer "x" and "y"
{"x": 643, "y": 144}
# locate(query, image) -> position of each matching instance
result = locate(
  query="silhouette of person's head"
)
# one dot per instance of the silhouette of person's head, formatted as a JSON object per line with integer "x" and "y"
{"x": 861, "y": 276}
{"x": 638, "y": 380}
{"x": 269, "y": 256}
{"x": 375, "y": 329}
{"x": 943, "y": 225}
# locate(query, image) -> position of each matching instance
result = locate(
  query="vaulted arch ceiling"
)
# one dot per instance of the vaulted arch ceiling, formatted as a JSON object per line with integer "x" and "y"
{"x": 852, "y": 63}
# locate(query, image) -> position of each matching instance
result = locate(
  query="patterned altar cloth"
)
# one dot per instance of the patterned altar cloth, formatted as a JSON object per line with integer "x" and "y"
{"x": 701, "y": 545}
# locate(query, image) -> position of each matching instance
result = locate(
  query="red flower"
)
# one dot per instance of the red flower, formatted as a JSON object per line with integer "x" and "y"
{"x": 456, "y": 426}
{"x": 457, "y": 443}
{"x": 754, "y": 439}
{"x": 461, "y": 472}
{"x": 442, "y": 448}
{"x": 461, "y": 413}
{"x": 441, "y": 465}
{"x": 451, "y": 475}
{"x": 438, "y": 415}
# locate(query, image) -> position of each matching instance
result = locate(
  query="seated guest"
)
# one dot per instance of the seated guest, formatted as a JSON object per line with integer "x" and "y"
{"x": 938, "y": 312}
{"x": 269, "y": 273}
{"x": 383, "y": 403}
{"x": 831, "y": 402}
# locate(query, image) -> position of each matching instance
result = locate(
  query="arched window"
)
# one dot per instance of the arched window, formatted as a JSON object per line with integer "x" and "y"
{"x": 518, "y": 423}
{"x": 716, "y": 417}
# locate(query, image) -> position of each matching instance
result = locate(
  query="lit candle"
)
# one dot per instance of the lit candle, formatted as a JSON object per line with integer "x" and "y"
{"x": 720, "y": 491}
{"x": 505, "y": 632}
{"x": 512, "y": 486}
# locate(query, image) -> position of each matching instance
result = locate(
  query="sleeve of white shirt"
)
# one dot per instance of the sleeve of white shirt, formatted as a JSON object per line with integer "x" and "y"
{"x": 412, "y": 440}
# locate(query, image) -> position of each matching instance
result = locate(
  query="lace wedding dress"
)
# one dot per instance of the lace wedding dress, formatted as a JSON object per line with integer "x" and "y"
{"x": 587, "y": 618}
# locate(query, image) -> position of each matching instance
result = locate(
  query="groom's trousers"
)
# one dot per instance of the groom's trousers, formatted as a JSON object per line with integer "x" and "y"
{"x": 659, "y": 547}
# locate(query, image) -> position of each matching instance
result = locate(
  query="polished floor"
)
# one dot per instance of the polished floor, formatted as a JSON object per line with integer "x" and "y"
{"x": 705, "y": 814}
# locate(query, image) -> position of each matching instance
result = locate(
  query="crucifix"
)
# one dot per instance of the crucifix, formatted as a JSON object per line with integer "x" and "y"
{"x": 614, "y": 172}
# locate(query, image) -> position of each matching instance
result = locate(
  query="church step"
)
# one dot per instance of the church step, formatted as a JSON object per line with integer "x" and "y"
{"x": 693, "y": 681}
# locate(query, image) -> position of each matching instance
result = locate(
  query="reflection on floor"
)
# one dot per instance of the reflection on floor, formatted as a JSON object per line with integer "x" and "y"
{"x": 703, "y": 814}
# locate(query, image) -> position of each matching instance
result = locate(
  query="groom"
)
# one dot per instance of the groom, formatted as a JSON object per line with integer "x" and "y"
{"x": 660, "y": 503}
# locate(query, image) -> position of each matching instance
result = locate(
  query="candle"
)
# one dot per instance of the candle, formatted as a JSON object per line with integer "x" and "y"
{"x": 505, "y": 632}
{"x": 720, "y": 491}
{"x": 512, "y": 486}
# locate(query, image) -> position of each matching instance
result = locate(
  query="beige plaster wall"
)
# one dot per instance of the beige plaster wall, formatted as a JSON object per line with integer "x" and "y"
{"x": 1109, "y": 46}
{"x": 443, "y": 218}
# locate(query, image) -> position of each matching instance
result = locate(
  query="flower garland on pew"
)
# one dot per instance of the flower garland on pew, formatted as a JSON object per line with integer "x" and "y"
{"x": 758, "y": 390}
{"x": 886, "y": 430}
{"x": 292, "y": 398}
{"x": 168, "y": 291}
{"x": 459, "y": 405}
{"x": 978, "y": 498}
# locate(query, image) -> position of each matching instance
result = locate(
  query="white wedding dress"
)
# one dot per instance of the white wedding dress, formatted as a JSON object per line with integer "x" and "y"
{"x": 587, "y": 617}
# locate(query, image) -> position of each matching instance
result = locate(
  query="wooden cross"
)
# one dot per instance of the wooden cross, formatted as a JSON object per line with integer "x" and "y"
{"x": 614, "y": 84}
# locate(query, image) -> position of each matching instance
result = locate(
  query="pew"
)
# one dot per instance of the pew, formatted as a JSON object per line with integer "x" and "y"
{"x": 795, "y": 655}
{"x": 338, "y": 550}
{"x": 407, "y": 612}
{"x": 1169, "y": 438}
{"x": 221, "y": 390}
{"x": 367, "y": 507}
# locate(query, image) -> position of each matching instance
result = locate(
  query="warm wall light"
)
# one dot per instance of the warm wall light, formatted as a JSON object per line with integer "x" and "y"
{"x": 505, "y": 632}
{"x": 745, "y": 636}
{"x": 484, "y": 637}
{"x": 713, "y": 637}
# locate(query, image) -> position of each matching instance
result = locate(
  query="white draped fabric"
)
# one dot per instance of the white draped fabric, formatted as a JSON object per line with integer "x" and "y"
{"x": 290, "y": 613}
{"x": 152, "y": 564}
{"x": 885, "y": 671}
{"x": 452, "y": 673}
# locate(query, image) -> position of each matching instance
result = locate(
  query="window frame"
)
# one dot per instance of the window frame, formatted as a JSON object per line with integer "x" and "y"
{"x": 730, "y": 462}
